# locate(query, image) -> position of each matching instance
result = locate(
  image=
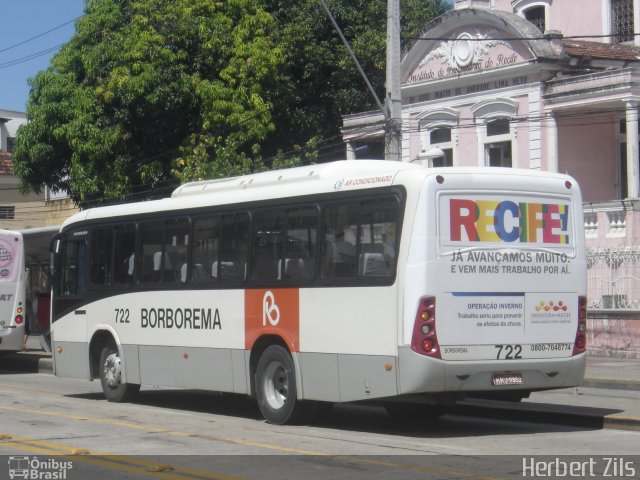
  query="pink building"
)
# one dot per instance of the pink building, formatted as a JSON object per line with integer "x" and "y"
{"x": 534, "y": 84}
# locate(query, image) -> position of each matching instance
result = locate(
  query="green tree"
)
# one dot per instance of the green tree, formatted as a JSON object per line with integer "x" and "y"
{"x": 151, "y": 92}
{"x": 141, "y": 80}
{"x": 322, "y": 81}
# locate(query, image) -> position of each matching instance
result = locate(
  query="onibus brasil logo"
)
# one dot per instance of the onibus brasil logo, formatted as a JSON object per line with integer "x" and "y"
{"x": 33, "y": 468}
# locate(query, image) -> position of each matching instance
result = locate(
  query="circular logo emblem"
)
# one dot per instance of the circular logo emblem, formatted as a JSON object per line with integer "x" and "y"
{"x": 464, "y": 50}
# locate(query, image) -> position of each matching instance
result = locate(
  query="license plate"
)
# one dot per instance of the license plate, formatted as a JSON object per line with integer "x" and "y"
{"x": 500, "y": 379}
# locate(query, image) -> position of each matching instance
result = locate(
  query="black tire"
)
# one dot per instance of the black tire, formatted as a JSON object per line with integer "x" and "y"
{"x": 276, "y": 388}
{"x": 111, "y": 376}
{"x": 414, "y": 413}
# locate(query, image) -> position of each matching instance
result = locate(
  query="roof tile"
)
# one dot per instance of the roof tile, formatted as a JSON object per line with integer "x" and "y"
{"x": 6, "y": 165}
{"x": 609, "y": 51}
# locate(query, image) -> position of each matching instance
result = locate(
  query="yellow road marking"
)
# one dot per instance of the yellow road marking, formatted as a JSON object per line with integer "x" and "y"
{"x": 144, "y": 467}
{"x": 247, "y": 443}
{"x": 140, "y": 466}
{"x": 135, "y": 465}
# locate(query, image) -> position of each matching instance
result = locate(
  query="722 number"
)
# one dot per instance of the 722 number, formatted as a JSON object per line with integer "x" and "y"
{"x": 509, "y": 352}
{"x": 122, "y": 315}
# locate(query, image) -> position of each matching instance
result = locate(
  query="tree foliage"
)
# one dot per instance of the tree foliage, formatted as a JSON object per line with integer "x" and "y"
{"x": 151, "y": 92}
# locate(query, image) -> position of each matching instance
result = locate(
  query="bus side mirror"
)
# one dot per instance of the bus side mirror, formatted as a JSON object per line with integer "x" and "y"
{"x": 54, "y": 248}
{"x": 54, "y": 245}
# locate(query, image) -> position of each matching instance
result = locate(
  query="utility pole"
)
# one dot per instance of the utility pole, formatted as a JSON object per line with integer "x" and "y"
{"x": 392, "y": 109}
{"x": 393, "y": 98}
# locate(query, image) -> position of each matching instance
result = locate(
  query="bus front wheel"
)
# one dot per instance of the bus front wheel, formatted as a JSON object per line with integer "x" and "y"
{"x": 111, "y": 365}
{"x": 276, "y": 387}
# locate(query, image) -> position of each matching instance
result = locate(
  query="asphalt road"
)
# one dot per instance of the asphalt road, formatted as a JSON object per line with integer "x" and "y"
{"x": 178, "y": 434}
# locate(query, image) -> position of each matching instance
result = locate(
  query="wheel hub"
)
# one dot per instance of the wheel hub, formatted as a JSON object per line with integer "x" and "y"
{"x": 113, "y": 370}
{"x": 276, "y": 385}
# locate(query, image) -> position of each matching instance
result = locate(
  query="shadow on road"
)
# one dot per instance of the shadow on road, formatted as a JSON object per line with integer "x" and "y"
{"x": 460, "y": 421}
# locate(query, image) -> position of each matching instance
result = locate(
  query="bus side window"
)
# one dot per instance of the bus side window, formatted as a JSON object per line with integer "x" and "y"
{"x": 206, "y": 232}
{"x": 152, "y": 238}
{"x": 101, "y": 256}
{"x": 378, "y": 220}
{"x": 268, "y": 242}
{"x": 125, "y": 243}
{"x": 339, "y": 249}
{"x": 73, "y": 269}
{"x": 360, "y": 238}
{"x": 176, "y": 246}
{"x": 301, "y": 236}
{"x": 235, "y": 247}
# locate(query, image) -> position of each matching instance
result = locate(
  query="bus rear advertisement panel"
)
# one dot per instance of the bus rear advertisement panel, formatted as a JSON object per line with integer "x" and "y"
{"x": 11, "y": 292}
{"x": 512, "y": 276}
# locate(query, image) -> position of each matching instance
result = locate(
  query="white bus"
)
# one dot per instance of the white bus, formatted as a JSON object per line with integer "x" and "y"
{"x": 25, "y": 285}
{"x": 348, "y": 281}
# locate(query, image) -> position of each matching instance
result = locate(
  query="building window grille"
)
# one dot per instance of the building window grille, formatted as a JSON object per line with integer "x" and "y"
{"x": 498, "y": 127}
{"x": 446, "y": 160}
{"x": 439, "y": 139}
{"x": 536, "y": 15}
{"x": 622, "y": 21}
{"x": 7, "y": 212}
{"x": 441, "y": 135}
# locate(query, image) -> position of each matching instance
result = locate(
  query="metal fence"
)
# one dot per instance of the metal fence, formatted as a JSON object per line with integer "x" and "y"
{"x": 613, "y": 352}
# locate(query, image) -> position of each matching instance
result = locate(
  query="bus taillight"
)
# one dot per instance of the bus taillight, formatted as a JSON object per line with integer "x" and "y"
{"x": 19, "y": 319}
{"x": 580, "y": 345}
{"x": 424, "y": 340}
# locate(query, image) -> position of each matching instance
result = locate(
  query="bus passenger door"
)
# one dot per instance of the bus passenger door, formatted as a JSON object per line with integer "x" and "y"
{"x": 69, "y": 314}
{"x": 70, "y": 276}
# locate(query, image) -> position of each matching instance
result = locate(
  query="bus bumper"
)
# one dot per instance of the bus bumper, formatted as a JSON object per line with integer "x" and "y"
{"x": 420, "y": 374}
{"x": 12, "y": 339}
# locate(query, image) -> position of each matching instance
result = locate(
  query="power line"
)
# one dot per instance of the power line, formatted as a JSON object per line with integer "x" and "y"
{"x": 26, "y": 58}
{"x": 512, "y": 39}
{"x": 39, "y": 35}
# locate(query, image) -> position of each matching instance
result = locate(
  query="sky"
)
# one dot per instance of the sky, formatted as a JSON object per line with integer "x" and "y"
{"x": 22, "y": 55}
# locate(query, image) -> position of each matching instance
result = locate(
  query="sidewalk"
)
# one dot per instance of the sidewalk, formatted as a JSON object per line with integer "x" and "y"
{"x": 593, "y": 405}
{"x": 614, "y": 373}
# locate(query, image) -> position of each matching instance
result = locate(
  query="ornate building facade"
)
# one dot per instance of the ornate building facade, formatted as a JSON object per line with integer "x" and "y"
{"x": 534, "y": 84}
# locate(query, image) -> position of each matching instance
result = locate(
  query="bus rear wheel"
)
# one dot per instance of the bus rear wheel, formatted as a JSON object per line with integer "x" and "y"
{"x": 111, "y": 365}
{"x": 276, "y": 388}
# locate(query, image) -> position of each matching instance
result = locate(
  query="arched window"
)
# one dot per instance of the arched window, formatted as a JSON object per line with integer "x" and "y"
{"x": 496, "y": 132}
{"x": 498, "y": 148}
{"x": 437, "y": 135}
{"x": 535, "y": 11}
{"x": 537, "y": 16}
